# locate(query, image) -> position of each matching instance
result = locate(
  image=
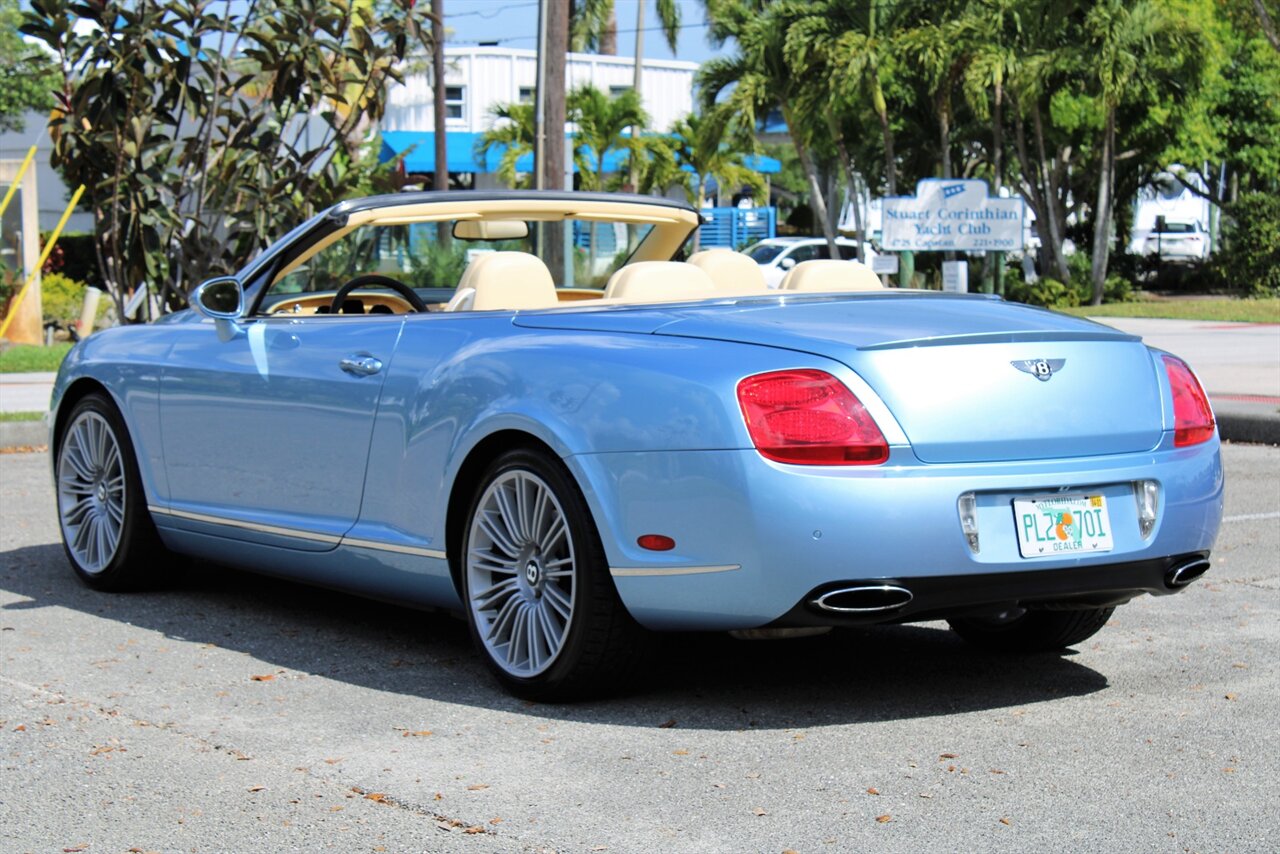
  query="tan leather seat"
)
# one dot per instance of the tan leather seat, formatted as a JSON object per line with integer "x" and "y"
{"x": 659, "y": 281}
{"x": 829, "y": 275}
{"x": 507, "y": 281}
{"x": 733, "y": 273}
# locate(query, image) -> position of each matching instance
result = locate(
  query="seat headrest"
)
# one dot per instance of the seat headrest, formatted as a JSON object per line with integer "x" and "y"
{"x": 732, "y": 273}
{"x": 509, "y": 281}
{"x": 828, "y": 274}
{"x": 659, "y": 281}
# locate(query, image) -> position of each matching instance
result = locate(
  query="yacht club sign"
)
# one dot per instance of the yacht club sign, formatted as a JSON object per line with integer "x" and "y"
{"x": 946, "y": 215}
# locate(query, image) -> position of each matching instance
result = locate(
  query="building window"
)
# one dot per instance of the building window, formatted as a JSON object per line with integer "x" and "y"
{"x": 453, "y": 101}
{"x": 526, "y": 94}
{"x": 615, "y": 91}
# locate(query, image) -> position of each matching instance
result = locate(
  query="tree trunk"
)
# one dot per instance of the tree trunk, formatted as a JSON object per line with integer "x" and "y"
{"x": 997, "y": 166}
{"x": 907, "y": 258}
{"x": 854, "y": 200}
{"x": 553, "y": 169}
{"x": 1063, "y": 274}
{"x": 609, "y": 38}
{"x": 944, "y": 132}
{"x": 818, "y": 204}
{"x": 890, "y": 161}
{"x": 1102, "y": 213}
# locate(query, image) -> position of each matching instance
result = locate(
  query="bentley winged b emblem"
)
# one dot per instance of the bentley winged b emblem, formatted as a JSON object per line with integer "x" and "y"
{"x": 1041, "y": 369}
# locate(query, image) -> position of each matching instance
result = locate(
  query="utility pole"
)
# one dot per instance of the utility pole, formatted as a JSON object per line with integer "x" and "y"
{"x": 441, "y": 177}
{"x": 638, "y": 78}
{"x": 540, "y": 101}
{"x": 552, "y": 168}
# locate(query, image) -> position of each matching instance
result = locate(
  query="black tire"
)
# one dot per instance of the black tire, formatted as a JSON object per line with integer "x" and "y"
{"x": 106, "y": 492}
{"x": 600, "y": 646}
{"x": 1032, "y": 631}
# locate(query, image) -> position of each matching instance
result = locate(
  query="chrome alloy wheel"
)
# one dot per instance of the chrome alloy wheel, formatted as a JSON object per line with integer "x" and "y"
{"x": 91, "y": 491}
{"x": 521, "y": 573}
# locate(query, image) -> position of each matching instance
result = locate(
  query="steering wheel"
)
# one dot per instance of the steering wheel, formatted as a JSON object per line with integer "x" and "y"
{"x": 376, "y": 280}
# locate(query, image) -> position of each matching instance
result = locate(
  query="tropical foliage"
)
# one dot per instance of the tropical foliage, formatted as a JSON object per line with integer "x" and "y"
{"x": 1073, "y": 104}
{"x": 28, "y": 75}
{"x": 199, "y": 127}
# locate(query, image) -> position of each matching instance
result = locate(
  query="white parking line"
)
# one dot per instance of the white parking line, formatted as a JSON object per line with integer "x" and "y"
{"x": 1252, "y": 517}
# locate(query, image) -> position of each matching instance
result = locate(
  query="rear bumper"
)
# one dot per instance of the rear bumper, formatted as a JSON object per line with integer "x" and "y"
{"x": 754, "y": 538}
{"x": 937, "y": 596}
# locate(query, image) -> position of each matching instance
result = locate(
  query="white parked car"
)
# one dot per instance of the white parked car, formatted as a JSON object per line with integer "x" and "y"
{"x": 1177, "y": 241}
{"x": 777, "y": 255}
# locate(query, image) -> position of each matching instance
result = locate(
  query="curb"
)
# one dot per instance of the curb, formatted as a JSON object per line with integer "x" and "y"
{"x": 24, "y": 434}
{"x": 1249, "y": 427}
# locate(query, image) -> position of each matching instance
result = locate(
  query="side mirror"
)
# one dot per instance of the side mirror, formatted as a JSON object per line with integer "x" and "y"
{"x": 222, "y": 300}
{"x": 787, "y": 263}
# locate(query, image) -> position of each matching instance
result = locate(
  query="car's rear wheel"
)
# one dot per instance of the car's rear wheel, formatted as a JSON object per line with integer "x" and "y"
{"x": 540, "y": 603}
{"x": 1018, "y": 630}
{"x": 107, "y": 532}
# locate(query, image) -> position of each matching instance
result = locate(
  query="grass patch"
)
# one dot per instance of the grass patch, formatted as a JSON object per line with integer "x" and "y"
{"x": 1215, "y": 308}
{"x": 20, "y": 416}
{"x": 23, "y": 358}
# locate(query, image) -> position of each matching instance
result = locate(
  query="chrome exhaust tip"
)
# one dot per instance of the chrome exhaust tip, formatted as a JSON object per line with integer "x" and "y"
{"x": 1181, "y": 576}
{"x": 863, "y": 599}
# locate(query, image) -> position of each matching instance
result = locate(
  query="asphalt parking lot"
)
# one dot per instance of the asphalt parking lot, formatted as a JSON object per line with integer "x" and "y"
{"x": 230, "y": 712}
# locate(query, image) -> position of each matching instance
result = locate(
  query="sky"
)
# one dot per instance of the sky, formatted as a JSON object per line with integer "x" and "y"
{"x": 514, "y": 23}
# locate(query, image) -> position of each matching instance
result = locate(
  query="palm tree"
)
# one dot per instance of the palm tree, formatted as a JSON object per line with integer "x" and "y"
{"x": 859, "y": 57}
{"x": 810, "y": 50}
{"x": 602, "y": 124}
{"x": 514, "y": 133}
{"x": 987, "y": 29}
{"x": 702, "y": 148}
{"x": 757, "y": 79}
{"x": 1125, "y": 43}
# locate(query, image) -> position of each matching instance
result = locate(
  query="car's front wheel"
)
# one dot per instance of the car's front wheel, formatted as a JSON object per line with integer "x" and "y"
{"x": 1018, "y": 630}
{"x": 540, "y": 603}
{"x": 107, "y": 531}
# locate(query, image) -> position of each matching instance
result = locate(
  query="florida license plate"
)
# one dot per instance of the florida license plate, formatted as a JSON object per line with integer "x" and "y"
{"x": 1061, "y": 525}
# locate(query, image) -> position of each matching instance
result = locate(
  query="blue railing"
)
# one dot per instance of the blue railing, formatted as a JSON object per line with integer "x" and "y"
{"x": 734, "y": 228}
{"x": 730, "y": 228}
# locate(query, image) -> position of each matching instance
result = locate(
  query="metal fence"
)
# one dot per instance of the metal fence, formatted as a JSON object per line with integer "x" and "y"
{"x": 734, "y": 228}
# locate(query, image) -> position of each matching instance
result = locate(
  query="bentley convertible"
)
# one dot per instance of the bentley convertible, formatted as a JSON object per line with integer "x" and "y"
{"x": 522, "y": 407}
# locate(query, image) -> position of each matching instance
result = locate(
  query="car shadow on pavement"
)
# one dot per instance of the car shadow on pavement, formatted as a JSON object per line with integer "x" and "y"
{"x": 699, "y": 681}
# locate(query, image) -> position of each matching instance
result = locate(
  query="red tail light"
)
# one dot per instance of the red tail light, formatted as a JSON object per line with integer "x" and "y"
{"x": 1192, "y": 415}
{"x": 809, "y": 417}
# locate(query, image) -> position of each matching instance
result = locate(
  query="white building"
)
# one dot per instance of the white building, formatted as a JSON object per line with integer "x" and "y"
{"x": 476, "y": 78}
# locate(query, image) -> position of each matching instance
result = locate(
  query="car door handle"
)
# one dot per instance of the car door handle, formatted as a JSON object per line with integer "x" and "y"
{"x": 361, "y": 365}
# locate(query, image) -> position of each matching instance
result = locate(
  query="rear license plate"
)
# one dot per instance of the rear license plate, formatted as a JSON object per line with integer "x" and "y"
{"x": 1061, "y": 525}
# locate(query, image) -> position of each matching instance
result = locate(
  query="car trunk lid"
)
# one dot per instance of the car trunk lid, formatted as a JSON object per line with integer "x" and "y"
{"x": 970, "y": 379}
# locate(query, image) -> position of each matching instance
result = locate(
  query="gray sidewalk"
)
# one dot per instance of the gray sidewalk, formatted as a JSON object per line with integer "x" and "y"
{"x": 1238, "y": 363}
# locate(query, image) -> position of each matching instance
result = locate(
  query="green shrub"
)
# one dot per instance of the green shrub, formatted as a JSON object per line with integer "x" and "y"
{"x": 1118, "y": 289}
{"x": 1049, "y": 293}
{"x": 1250, "y": 258}
{"x": 62, "y": 299}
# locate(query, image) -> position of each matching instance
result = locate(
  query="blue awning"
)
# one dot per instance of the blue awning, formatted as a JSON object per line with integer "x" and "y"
{"x": 460, "y": 151}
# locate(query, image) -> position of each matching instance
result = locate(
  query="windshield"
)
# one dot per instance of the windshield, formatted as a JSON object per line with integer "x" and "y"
{"x": 1176, "y": 228}
{"x": 763, "y": 253}
{"x": 427, "y": 255}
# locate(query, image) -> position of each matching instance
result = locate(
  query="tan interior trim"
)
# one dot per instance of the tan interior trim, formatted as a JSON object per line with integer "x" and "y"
{"x": 526, "y": 209}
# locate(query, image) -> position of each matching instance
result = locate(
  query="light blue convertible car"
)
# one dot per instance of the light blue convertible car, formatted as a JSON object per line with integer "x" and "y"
{"x": 519, "y": 406}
